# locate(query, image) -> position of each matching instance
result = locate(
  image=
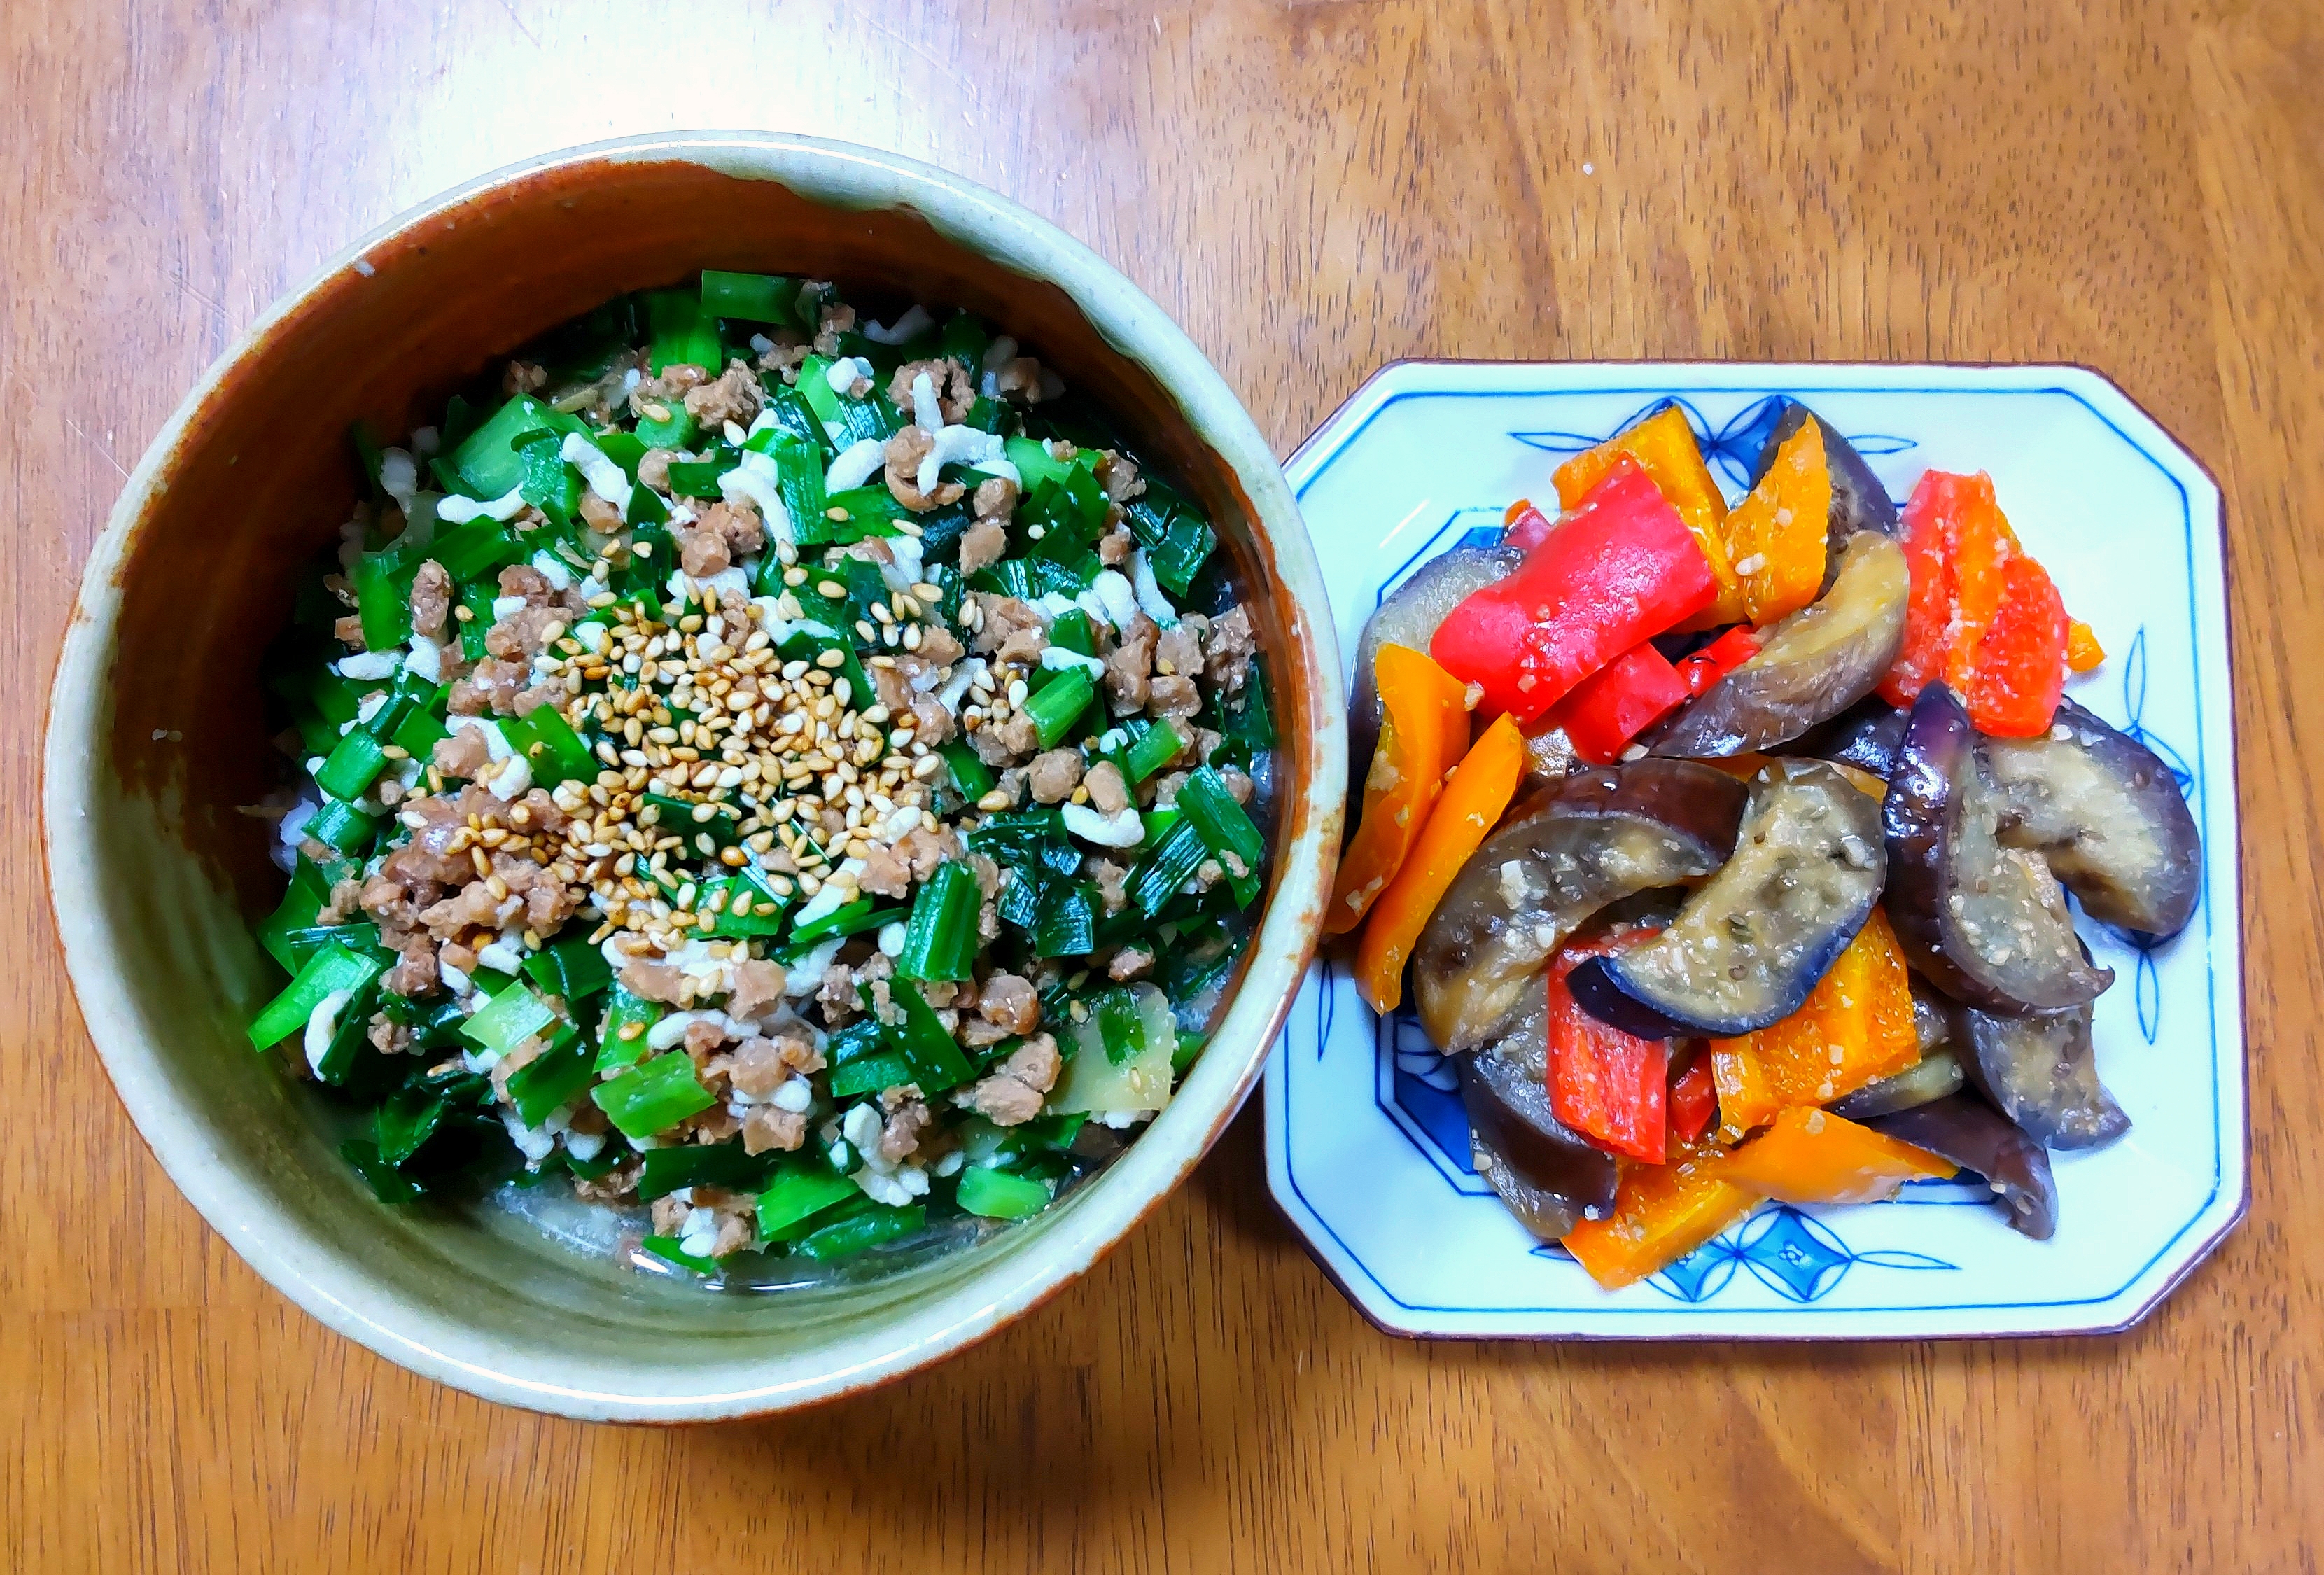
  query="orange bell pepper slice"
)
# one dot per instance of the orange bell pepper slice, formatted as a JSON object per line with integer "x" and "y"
{"x": 1777, "y": 537}
{"x": 1424, "y": 732}
{"x": 1473, "y": 801}
{"x": 1856, "y": 1027}
{"x": 1663, "y": 445}
{"x": 2083, "y": 651}
{"x": 1814, "y": 1156}
{"x": 1661, "y": 1213}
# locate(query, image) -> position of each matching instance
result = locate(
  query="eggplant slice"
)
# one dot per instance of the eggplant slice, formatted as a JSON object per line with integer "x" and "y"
{"x": 2041, "y": 1073}
{"x": 1859, "y": 502}
{"x": 1410, "y": 617}
{"x": 1747, "y": 947}
{"x": 1549, "y": 1175}
{"x": 1985, "y": 923}
{"x": 1865, "y": 735}
{"x": 1595, "y": 839}
{"x": 1971, "y": 1134}
{"x": 2106, "y": 816}
{"x": 1811, "y": 666}
{"x": 1931, "y": 1078}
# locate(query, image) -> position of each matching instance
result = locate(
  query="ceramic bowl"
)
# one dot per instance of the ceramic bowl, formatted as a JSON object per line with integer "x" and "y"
{"x": 156, "y": 734}
{"x": 1367, "y": 1144}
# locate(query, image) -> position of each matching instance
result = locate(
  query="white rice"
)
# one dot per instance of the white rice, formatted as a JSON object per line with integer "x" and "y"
{"x": 459, "y": 510}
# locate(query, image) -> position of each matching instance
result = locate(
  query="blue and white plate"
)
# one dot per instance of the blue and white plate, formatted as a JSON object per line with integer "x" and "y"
{"x": 1367, "y": 1148}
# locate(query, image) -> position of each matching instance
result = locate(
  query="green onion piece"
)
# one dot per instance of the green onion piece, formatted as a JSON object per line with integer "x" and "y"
{"x": 1009, "y": 577}
{"x": 751, "y": 907}
{"x": 865, "y": 1064}
{"x": 682, "y": 817}
{"x": 698, "y": 478}
{"x": 487, "y": 461}
{"x": 680, "y": 432}
{"x": 626, "y": 449}
{"x": 665, "y": 1247}
{"x": 920, "y": 1038}
{"x": 549, "y": 746}
{"x": 940, "y": 942}
{"x": 1225, "y": 830}
{"x": 1034, "y": 465}
{"x": 717, "y": 1164}
{"x": 1189, "y": 1048}
{"x": 417, "y": 734}
{"x": 1120, "y": 1025}
{"x": 1178, "y": 539}
{"x": 654, "y": 1097}
{"x": 965, "y": 339}
{"x": 970, "y": 775}
{"x": 1158, "y": 746}
{"x": 572, "y": 968}
{"x": 341, "y": 825}
{"x": 1250, "y": 728}
{"x": 384, "y": 601}
{"x": 683, "y": 332}
{"x": 352, "y": 766}
{"x": 1066, "y": 923}
{"x": 860, "y": 513}
{"x": 872, "y": 1227}
{"x": 1060, "y": 705}
{"x": 616, "y": 1047}
{"x": 1071, "y": 632}
{"x": 552, "y": 1080}
{"x": 848, "y": 920}
{"x": 304, "y": 898}
{"x": 470, "y": 548}
{"x": 304, "y": 943}
{"x": 548, "y": 482}
{"x": 800, "y": 1192}
{"x": 508, "y": 1019}
{"x": 997, "y": 1195}
{"x": 1167, "y": 865}
{"x": 387, "y": 1184}
{"x": 327, "y": 971}
{"x": 407, "y": 1118}
{"x": 798, "y": 478}
{"x": 754, "y": 298}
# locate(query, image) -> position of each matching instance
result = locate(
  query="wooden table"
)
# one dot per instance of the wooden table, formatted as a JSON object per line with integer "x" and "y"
{"x": 1310, "y": 188}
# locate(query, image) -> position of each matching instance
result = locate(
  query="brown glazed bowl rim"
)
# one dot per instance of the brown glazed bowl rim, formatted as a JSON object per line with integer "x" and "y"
{"x": 337, "y": 1285}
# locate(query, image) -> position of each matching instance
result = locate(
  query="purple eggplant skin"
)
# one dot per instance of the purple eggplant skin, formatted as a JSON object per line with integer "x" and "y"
{"x": 1810, "y": 667}
{"x": 1975, "y": 1136}
{"x": 1410, "y": 617}
{"x": 1595, "y": 838}
{"x": 1551, "y": 1177}
{"x": 1985, "y": 923}
{"x": 1865, "y": 736}
{"x": 2106, "y": 816}
{"x": 2041, "y": 1074}
{"x": 1750, "y": 943}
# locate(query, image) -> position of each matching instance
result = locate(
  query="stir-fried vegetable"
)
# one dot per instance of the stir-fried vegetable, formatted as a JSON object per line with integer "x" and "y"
{"x": 1639, "y": 962}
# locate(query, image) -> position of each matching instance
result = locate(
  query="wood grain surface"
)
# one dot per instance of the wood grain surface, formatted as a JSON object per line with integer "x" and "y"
{"x": 1310, "y": 189}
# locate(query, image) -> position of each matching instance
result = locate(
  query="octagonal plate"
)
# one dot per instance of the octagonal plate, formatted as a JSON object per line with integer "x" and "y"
{"x": 1367, "y": 1147}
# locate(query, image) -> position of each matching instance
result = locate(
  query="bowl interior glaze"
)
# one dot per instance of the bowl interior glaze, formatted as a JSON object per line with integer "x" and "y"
{"x": 157, "y": 733}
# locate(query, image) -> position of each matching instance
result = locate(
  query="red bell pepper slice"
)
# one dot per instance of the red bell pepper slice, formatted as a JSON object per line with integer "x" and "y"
{"x": 1525, "y": 526}
{"x": 2018, "y": 673}
{"x": 1607, "y": 1085}
{"x": 1693, "y": 1102}
{"x": 1621, "y": 568}
{"x": 1929, "y": 605}
{"x": 1618, "y": 702}
{"x": 1702, "y": 668}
